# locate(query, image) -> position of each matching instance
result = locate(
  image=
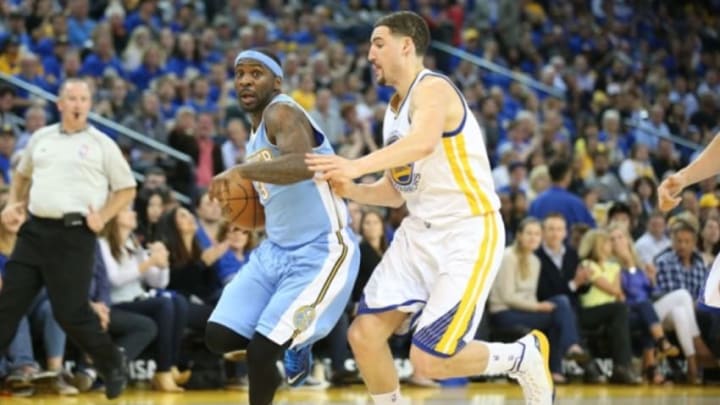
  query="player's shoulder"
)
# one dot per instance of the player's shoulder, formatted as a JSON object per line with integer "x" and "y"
{"x": 434, "y": 86}
{"x": 283, "y": 110}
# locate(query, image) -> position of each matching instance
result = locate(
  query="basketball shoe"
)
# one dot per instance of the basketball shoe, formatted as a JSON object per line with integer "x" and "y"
{"x": 533, "y": 370}
{"x": 298, "y": 365}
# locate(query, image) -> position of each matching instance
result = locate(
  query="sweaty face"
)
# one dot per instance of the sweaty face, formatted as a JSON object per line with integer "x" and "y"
{"x": 385, "y": 50}
{"x": 254, "y": 84}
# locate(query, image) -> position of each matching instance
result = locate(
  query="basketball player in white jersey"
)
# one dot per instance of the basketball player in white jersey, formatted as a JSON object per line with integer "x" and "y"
{"x": 436, "y": 276}
{"x": 706, "y": 165}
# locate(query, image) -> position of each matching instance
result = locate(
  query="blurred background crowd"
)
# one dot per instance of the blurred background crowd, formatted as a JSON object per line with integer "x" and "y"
{"x": 607, "y": 97}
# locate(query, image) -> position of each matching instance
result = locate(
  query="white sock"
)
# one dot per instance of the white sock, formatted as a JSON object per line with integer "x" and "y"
{"x": 503, "y": 357}
{"x": 391, "y": 398}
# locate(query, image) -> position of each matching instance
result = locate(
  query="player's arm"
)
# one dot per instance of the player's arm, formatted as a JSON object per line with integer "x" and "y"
{"x": 706, "y": 165}
{"x": 381, "y": 193}
{"x": 289, "y": 129}
{"x": 429, "y": 108}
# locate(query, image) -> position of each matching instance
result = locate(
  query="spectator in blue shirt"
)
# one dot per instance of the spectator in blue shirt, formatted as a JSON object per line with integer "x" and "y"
{"x": 186, "y": 58}
{"x": 150, "y": 69}
{"x": 102, "y": 60}
{"x": 144, "y": 14}
{"x": 52, "y": 62}
{"x": 80, "y": 26}
{"x": 241, "y": 243}
{"x": 7, "y": 146}
{"x": 200, "y": 96}
{"x": 558, "y": 199}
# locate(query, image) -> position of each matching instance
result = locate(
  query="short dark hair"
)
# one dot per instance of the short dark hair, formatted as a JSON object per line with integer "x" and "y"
{"x": 619, "y": 208}
{"x": 554, "y": 214}
{"x": 558, "y": 169}
{"x": 6, "y": 89}
{"x": 408, "y": 24}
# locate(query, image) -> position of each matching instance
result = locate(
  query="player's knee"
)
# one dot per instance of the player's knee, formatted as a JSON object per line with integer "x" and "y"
{"x": 221, "y": 339}
{"x": 263, "y": 350}
{"x": 360, "y": 334}
{"x": 427, "y": 365}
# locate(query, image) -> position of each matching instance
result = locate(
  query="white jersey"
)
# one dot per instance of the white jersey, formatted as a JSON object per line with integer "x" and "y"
{"x": 455, "y": 180}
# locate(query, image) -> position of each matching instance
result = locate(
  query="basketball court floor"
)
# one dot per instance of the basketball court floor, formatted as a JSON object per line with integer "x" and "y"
{"x": 473, "y": 394}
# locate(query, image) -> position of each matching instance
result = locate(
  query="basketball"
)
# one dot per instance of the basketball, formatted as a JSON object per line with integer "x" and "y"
{"x": 241, "y": 206}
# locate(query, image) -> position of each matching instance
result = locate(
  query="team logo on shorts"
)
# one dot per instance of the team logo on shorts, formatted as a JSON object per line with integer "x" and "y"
{"x": 303, "y": 317}
{"x": 404, "y": 177}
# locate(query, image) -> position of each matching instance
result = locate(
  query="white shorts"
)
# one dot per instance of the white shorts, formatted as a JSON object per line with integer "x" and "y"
{"x": 440, "y": 274}
{"x": 711, "y": 294}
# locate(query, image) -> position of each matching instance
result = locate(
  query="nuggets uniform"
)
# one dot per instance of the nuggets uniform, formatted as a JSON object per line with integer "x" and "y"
{"x": 298, "y": 281}
{"x": 446, "y": 253}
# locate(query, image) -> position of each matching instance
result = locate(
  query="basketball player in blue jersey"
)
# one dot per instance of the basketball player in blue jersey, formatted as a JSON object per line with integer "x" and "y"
{"x": 436, "y": 276}
{"x": 297, "y": 283}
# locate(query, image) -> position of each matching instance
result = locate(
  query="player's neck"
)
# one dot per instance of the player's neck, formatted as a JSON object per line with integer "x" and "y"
{"x": 255, "y": 119}
{"x": 406, "y": 81}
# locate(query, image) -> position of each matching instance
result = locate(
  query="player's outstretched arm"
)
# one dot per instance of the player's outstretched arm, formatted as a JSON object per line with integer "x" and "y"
{"x": 429, "y": 108}
{"x": 380, "y": 193}
{"x": 706, "y": 165}
{"x": 289, "y": 129}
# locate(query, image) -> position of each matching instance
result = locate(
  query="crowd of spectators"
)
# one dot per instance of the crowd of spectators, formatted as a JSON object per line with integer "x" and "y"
{"x": 583, "y": 159}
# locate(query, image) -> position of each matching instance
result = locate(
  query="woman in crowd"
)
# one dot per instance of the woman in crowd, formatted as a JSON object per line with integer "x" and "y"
{"x": 710, "y": 240}
{"x": 605, "y": 288}
{"x": 149, "y": 205}
{"x": 241, "y": 242}
{"x": 636, "y": 288}
{"x": 190, "y": 273}
{"x": 129, "y": 268}
{"x": 513, "y": 299}
{"x": 676, "y": 310}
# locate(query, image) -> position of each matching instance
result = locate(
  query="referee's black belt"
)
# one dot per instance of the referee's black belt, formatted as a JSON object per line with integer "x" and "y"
{"x": 69, "y": 220}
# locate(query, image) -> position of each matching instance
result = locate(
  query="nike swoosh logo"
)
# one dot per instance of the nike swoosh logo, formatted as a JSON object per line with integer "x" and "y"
{"x": 292, "y": 381}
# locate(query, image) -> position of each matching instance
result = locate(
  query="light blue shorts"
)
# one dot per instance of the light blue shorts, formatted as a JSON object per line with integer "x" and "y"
{"x": 293, "y": 294}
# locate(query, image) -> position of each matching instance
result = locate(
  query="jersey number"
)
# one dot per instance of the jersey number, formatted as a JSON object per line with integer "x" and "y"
{"x": 263, "y": 155}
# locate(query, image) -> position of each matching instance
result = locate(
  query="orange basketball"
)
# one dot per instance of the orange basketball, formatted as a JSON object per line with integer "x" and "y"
{"x": 241, "y": 205}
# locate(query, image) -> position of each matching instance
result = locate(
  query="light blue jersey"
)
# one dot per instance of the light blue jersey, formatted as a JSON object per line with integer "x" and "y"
{"x": 296, "y": 213}
{"x": 296, "y": 284}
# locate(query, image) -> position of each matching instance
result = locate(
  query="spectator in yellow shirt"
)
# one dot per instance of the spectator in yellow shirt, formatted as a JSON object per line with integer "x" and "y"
{"x": 10, "y": 56}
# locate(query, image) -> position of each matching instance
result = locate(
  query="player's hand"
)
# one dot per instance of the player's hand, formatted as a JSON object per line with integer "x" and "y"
{"x": 669, "y": 191}
{"x": 342, "y": 186}
{"x": 331, "y": 167}
{"x": 94, "y": 220}
{"x": 220, "y": 186}
{"x": 13, "y": 214}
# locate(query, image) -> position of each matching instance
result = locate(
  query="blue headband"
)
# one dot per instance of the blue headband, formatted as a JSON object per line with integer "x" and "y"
{"x": 262, "y": 58}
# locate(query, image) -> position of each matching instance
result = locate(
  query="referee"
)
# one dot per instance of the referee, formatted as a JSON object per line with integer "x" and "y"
{"x": 73, "y": 179}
